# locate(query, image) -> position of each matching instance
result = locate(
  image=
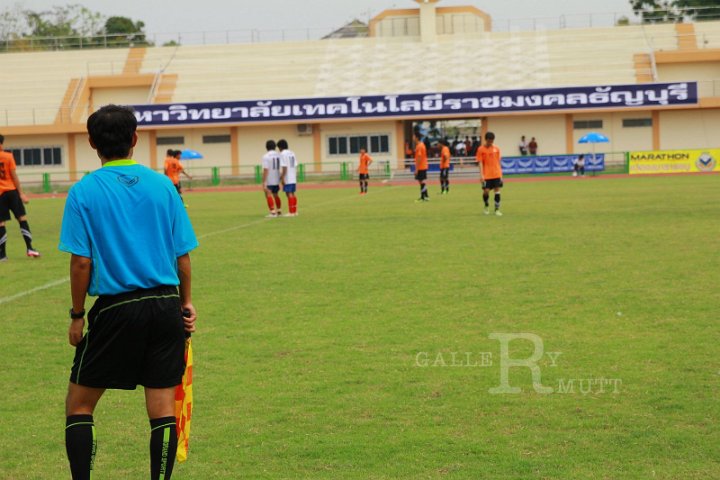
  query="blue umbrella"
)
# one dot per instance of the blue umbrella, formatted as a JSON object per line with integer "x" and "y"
{"x": 594, "y": 137}
{"x": 188, "y": 154}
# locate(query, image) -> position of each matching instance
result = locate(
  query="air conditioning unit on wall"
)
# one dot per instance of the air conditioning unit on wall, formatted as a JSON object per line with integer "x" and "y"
{"x": 304, "y": 129}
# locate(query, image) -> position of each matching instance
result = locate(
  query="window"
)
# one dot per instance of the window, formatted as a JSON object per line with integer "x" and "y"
{"x": 587, "y": 124}
{"x": 170, "y": 140}
{"x": 637, "y": 122}
{"x": 37, "y": 156}
{"x": 344, "y": 145}
{"x": 356, "y": 143}
{"x": 216, "y": 138}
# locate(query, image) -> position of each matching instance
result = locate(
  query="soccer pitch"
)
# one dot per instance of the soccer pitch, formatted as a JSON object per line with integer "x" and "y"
{"x": 364, "y": 339}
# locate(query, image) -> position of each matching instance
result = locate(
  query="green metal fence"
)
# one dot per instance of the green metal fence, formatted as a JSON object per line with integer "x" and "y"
{"x": 212, "y": 176}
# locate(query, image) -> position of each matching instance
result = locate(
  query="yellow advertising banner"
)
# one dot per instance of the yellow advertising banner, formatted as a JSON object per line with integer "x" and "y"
{"x": 674, "y": 161}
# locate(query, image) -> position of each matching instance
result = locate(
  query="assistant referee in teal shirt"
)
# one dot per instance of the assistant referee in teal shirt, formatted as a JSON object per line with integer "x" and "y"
{"x": 130, "y": 237}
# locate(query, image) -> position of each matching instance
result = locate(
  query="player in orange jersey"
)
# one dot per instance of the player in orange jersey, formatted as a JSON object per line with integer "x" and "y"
{"x": 11, "y": 200}
{"x": 363, "y": 170}
{"x": 173, "y": 169}
{"x": 444, "y": 168}
{"x": 488, "y": 157}
{"x": 421, "y": 167}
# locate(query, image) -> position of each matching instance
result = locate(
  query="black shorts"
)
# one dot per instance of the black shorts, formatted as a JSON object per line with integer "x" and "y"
{"x": 421, "y": 175}
{"x": 364, "y": 176}
{"x": 134, "y": 338}
{"x": 10, "y": 202}
{"x": 274, "y": 189}
{"x": 492, "y": 183}
{"x": 178, "y": 187}
{"x": 444, "y": 173}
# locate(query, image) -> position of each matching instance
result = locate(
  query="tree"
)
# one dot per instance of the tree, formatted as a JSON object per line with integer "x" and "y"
{"x": 71, "y": 26}
{"x": 125, "y": 32}
{"x": 12, "y": 23}
{"x": 659, "y": 11}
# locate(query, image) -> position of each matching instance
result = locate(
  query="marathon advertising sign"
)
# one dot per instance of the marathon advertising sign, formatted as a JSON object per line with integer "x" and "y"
{"x": 420, "y": 105}
{"x": 551, "y": 164}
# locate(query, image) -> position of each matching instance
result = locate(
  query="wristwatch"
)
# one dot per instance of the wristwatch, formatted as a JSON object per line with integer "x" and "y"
{"x": 77, "y": 315}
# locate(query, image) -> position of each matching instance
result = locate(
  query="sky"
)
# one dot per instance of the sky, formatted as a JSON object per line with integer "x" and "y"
{"x": 326, "y": 15}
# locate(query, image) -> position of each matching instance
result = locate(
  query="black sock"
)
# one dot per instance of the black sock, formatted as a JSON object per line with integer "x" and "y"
{"x": 163, "y": 447}
{"x": 486, "y": 198}
{"x": 3, "y": 240}
{"x": 366, "y": 185}
{"x": 25, "y": 230}
{"x": 423, "y": 191}
{"x": 497, "y": 201}
{"x": 81, "y": 445}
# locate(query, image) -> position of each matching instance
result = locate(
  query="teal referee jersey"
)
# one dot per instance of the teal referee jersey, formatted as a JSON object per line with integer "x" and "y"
{"x": 130, "y": 221}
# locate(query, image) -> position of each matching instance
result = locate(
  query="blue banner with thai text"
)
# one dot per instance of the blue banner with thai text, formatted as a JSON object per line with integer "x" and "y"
{"x": 420, "y": 105}
{"x": 551, "y": 164}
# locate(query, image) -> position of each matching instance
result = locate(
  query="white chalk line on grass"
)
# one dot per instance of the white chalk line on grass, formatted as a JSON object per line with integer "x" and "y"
{"x": 34, "y": 290}
{"x": 61, "y": 281}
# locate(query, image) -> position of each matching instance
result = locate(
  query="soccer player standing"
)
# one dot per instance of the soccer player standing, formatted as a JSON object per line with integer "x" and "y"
{"x": 288, "y": 176}
{"x": 488, "y": 157}
{"x": 271, "y": 178}
{"x": 130, "y": 238}
{"x": 364, "y": 170}
{"x": 11, "y": 200}
{"x": 421, "y": 167}
{"x": 444, "y": 168}
{"x": 173, "y": 169}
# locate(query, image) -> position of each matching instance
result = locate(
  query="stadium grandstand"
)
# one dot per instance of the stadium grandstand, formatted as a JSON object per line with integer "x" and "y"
{"x": 645, "y": 86}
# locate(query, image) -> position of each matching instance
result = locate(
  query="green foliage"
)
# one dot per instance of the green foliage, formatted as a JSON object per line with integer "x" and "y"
{"x": 71, "y": 26}
{"x": 309, "y": 331}
{"x": 124, "y": 30}
{"x": 661, "y": 11}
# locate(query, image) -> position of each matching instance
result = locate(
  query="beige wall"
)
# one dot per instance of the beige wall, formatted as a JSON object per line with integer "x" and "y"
{"x": 629, "y": 138}
{"x": 706, "y": 74}
{"x": 349, "y": 129}
{"x": 87, "y": 159}
{"x": 548, "y": 130}
{"x": 119, "y": 96}
{"x": 689, "y": 129}
{"x": 252, "y": 140}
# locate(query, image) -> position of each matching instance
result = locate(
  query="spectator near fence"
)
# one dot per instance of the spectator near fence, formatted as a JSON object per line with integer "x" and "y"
{"x": 579, "y": 166}
{"x": 533, "y": 146}
{"x": 523, "y": 146}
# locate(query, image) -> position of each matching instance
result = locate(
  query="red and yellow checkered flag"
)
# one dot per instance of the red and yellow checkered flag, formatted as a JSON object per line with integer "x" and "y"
{"x": 183, "y": 405}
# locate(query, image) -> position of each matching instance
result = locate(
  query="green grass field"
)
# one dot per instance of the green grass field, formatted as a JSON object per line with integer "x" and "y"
{"x": 325, "y": 343}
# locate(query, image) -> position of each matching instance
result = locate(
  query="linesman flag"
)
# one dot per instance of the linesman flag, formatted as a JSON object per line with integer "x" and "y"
{"x": 183, "y": 404}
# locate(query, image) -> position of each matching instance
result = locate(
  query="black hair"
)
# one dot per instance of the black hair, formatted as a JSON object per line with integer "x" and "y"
{"x": 111, "y": 130}
{"x": 282, "y": 144}
{"x": 270, "y": 145}
{"x": 170, "y": 152}
{"x": 2, "y": 139}
{"x": 177, "y": 153}
{"x": 489, "y": 136}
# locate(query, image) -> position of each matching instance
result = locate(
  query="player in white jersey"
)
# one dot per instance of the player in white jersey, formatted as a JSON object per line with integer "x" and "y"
{"x": 271, "y": 178}
{"x": 288, "y": 175}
